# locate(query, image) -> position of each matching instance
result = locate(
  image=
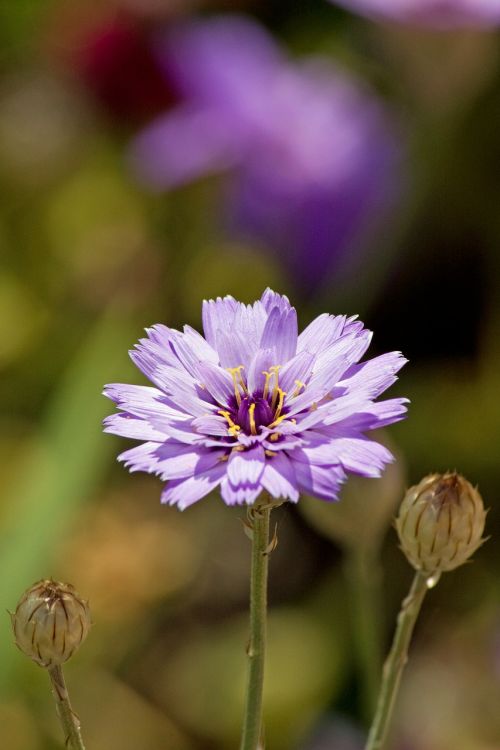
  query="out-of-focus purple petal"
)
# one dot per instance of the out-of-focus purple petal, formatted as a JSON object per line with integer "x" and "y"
{"x": 313, "y": 159}
{"x": 182, "y": 146}
{"x": 441, "y": 14}
{"x": 209, "y": 60}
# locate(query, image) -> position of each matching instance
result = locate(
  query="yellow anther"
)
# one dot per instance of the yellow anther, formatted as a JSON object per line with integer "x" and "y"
{"x": 281, "y": 399}
{"x": 299, "y": 387}
{"x": 274, "y": 437}
{"x": 251, "y": 416}
{"x": 233, "y": 428}
{"x": 313, "y": 406}
{"x": 270, "y": 453}
{"x": 224, "y": 458}
{"x": 275, "y": 370}
{"x": 237, "y": 449}
{"x": 278, "y": 421}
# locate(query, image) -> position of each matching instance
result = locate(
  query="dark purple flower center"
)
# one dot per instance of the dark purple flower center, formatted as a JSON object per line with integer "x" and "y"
{"x": 248, "y": 412}
{"x": 254, "y": 412}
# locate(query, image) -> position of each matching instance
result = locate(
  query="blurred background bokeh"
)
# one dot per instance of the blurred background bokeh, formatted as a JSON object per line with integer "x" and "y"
{"x": 156, "y": 152}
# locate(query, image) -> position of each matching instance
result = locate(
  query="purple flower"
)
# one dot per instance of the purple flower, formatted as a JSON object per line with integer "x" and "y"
{"x": 437, "y": 13}
{"x": 255, "y": 406}
{"x": 310, "y": 156}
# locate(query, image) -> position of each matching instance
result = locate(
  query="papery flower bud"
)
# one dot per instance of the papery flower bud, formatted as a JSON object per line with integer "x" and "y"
{"x": 441, "y": 523}
{"x": 50, "y": 623}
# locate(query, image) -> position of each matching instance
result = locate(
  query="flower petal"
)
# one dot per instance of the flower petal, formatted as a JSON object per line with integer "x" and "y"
{"x": 244, "y": 471}
{"x": 130, "y": 426}
{"x": 375, "y": 376}
{"x": 217, "y": 381}
{"x": 279, "y": 478}
{"x": 321, "y": 333}
{"x": 218, "y": 315}
{"x": 261, "y": 362}
{"x": 298, "y": 368}
{"x": 281, "y": 333}
{"x": 321, "y": 481}
{"x": 185, "y": 492}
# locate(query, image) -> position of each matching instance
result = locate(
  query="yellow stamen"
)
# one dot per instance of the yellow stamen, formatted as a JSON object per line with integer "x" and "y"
{"x": 251, "y": 416}
{"x": 299, "y": 387}
{"x": 270, "y": 453}
{"x": 313, "y": 406}
{"x": 275, "y": 369}
{"x": 237, "y": 377}
{"x": 242, "y": 382}
{"x": 278, "y": 421}
{"x": 224, "y": 458}
{"x": 274, "y": 437}
{"x": 266, "y": 384}
{"x": 233, "y": 428}
{"x": 279, "y": 407}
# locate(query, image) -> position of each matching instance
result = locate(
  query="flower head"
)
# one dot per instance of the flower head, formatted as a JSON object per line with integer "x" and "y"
{"x": 433, "y": 13}
{"x": 310, "y": 158}
{"x": 255, "y": 406}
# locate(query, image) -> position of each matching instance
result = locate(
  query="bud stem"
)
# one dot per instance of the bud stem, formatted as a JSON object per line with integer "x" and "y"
{"x": 252, "y": 722}
{"x": 395, "y": 662}
{"x": 69, "y": 720}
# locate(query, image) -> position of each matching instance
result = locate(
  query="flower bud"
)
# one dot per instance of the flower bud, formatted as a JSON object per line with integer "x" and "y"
{"x": 50, "y": 622}
{"x": 440, "y": 523}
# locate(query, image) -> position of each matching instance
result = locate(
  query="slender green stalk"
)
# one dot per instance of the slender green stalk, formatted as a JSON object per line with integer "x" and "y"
{"x": 395, "y": 663}
{"x": 258, "y": 525}
{"x": 69, "y": 720}
{"x": 362, "y": 573}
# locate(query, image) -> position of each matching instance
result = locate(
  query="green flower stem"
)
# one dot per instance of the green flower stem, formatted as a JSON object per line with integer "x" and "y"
{"x": 69, "y": 720}
{"x": 395, "y": 663}
{"x": 258, "y": 527}
{"x": 362, "y": 573}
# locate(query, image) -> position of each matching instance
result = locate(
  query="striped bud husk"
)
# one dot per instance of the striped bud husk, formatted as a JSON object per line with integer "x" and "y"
{"x": 441, "y": 523}
{"x": 50, "y": 623}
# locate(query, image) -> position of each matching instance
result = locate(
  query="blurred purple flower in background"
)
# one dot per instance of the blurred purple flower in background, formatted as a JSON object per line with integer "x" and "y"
{"x": 438, "y": 13}
{"x": 253, "y": 406}
{"x": 311, "y": 157}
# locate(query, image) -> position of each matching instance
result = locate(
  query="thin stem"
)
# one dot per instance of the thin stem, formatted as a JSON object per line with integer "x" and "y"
{"x": 69, "y": 720}
{"x": 362, "y": 572}
{"x": 258, "y": 525}
{"x": 395, "y": 662}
